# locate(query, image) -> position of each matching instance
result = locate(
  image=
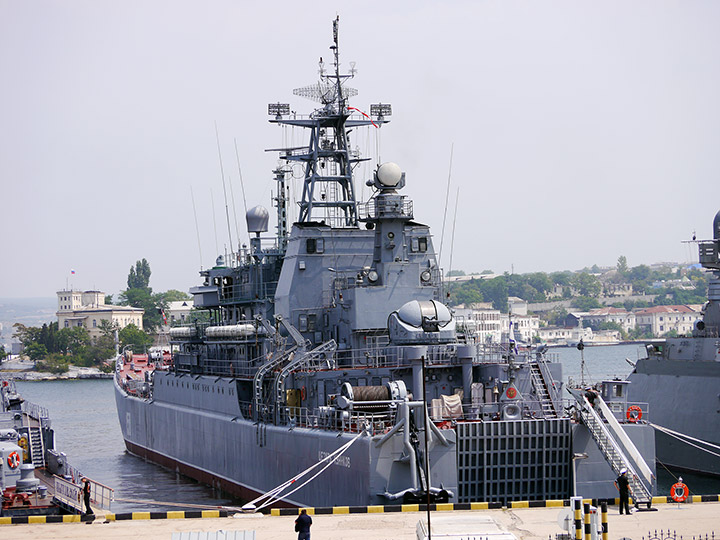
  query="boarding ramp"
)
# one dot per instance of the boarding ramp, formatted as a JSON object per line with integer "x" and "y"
{"x": 615, "y": 445}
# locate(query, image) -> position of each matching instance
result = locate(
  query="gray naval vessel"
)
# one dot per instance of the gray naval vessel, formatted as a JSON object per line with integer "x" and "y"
{"x": 328, "y": 371}
{"x": 680, "y": 380}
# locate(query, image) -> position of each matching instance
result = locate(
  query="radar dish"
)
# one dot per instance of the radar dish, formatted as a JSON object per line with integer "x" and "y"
{"x": 389, "y": 174}
{"x": 324, "y": 92}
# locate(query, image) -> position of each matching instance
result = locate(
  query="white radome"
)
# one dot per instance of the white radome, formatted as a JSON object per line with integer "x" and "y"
{"x": 389, "y": 174}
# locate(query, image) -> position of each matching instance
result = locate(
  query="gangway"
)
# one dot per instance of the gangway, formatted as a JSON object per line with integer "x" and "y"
{"x": 615, "y": 445}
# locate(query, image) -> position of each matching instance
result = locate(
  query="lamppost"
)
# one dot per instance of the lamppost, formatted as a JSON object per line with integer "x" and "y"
{"x": 574, "y": 460}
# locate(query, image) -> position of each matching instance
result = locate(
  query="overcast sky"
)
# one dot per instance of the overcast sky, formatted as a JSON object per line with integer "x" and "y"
{"x": 581, "y": 131}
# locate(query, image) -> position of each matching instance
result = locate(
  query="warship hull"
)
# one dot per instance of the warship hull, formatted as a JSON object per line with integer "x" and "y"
{"x": 486, "y": 461}
{"x": 682, "y": 396}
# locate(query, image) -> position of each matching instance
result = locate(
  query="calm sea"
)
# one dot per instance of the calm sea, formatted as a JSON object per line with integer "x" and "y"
{"x": 87, "y": 430}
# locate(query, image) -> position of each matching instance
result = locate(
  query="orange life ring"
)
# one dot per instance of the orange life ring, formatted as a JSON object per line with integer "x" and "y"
{"x": 13, "y": 460}
{"x": 679, "y": 492}
{"x": 303, "y": 393}
{"x": 634, "y": 414}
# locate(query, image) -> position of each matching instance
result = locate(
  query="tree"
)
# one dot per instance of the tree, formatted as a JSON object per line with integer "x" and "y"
{"x": 107, "y": 328}
{"x": 622, "y": 266}
{"x": 587, "y": 284}
{"x": 73, "y": 340}
{"x": 139, "y": 276}
{"x": 585, "y": 303}
{"x": 452, "y": 273}
{"x": 173, "y": 295}
{"x": 134, "y": 338}
{"x": 3, "y": 354}
{"x": 36, "y": 351}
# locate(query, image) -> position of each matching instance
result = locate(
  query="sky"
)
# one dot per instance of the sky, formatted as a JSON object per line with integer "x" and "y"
{"x": 571, "y": 132}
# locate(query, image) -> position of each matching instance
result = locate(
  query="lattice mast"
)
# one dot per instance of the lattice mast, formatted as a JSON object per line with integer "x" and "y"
{"x": 328, "y": 190}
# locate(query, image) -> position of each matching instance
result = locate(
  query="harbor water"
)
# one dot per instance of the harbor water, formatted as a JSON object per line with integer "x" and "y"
{"x": 87, "y": 430}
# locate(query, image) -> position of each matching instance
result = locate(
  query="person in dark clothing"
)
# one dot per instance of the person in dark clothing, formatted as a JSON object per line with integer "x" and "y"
{"x": 623, "y": 486}
{"x": 302, "y": 525}
{"x": 591, "y": 395}
{"x": 86, "y": 495}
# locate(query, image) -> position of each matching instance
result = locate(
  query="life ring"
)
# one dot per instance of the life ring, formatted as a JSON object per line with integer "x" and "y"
{"x": 303, "y": 393}
{"x": 679, "y": 492}
{"x": 13, "y": 460}
{"x": 634, "y": 414}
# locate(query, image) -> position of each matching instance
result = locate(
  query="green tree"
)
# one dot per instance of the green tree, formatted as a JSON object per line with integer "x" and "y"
{"x": 134, "y": 338}
{"x": 73, "y": 340}
{"x": 452, "y": 273}
{"x": 173, "y": 295}
{"x": 139, "y": 276}
{"x": 54, "y": 363}
{"x": 3, "y": 354}
{"x": 622, "y": 266}
{"x": 585, "y": 303}
{"x": 586, "y": 284}
{"x": 36, "y": 351}
{"x": 108, "y": 298}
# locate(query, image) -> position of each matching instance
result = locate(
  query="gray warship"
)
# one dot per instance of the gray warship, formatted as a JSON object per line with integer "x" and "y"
{"x": 680, "y": 377}
{"x": 328, "y": 371}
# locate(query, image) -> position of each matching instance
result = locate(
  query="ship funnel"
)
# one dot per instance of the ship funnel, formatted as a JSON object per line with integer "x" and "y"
{"x": 257, "y": 219}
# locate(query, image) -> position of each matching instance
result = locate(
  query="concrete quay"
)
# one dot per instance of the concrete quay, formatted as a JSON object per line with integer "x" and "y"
{"x": 688, "y": 520}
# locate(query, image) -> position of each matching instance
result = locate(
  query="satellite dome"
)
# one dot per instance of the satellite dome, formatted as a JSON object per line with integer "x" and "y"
{"x": 417, "y": 312}
{"x": 257, "y": 219}
{"x": 389, "y": 174}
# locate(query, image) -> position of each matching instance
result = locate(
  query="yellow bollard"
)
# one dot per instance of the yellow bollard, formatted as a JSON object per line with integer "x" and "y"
{"x": 604, "y": 517}
{"x": 578, "y": 520}
{"x": 588, "y": 531}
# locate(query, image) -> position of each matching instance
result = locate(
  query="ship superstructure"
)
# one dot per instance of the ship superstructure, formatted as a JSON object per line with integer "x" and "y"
{"x": 327, "y": 348}
{"x": 680, "y": 379}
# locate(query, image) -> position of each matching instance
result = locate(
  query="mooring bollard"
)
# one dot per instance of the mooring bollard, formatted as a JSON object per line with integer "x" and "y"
{"x": 604, "y": 517}
{"x": 578, "y": 519}
{"x": 588, "y": 529}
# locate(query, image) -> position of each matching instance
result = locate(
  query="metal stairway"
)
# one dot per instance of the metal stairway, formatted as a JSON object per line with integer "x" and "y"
{"x": 614, "y": 452}
{"x": 37, "y": 448}
{"x": 546, "y": 403}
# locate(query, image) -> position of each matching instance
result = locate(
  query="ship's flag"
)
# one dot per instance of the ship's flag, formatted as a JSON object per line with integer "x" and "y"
{"x": 72, "y": 272}
{"x": 162, "y": 312}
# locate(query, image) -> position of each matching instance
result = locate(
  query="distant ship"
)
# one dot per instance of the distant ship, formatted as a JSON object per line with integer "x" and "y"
{"x": 680, "y": 380}
{"x": 327, "y": 370}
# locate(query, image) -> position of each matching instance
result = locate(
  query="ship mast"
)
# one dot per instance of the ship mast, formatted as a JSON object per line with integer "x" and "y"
{"x": 328, "y": 195}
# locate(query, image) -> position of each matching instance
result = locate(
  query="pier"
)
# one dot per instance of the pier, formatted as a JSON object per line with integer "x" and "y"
{"x": 525, "y": 523}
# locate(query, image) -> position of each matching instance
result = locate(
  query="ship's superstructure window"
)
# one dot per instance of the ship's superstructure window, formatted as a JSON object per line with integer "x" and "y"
{"x": 422, "y": 244}
{"x": 302, "y": 323}
{"x": 311, "y": 245}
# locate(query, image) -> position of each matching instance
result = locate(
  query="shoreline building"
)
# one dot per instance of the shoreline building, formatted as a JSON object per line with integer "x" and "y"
{"x": 88, "y": 309}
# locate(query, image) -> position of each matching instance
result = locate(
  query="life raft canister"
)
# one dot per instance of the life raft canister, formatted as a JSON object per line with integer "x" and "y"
{"x": 679, "y": 492}
{"x": 634, "y": 414}
{"x": 13, "y": 460}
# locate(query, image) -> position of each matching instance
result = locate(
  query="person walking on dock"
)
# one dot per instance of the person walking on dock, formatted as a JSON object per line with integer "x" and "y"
{"x": 302, "y": 525}
{"x": 86, "y": 495}
{"x": 623, "y": 486}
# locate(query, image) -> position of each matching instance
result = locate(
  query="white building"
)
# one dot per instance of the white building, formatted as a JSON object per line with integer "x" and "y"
{"x": 482, "y": 321}
{"x": 178, "y": 312}
{"x": 88, "y": 309}
{"x": 626, "y": 319}
{"x": 662, "y": 319}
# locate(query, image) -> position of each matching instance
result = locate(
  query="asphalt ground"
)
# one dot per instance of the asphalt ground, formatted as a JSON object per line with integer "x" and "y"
{"x": 688, "y": 520}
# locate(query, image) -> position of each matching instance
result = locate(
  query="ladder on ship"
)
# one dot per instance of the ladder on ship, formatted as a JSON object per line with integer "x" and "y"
{"x": 268, "y": 366}
{"x": 321, "y": 357}
{"x": 37, "y": 448}
{"x": 547, "y": 404}
{"x": 616, "y": 446}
